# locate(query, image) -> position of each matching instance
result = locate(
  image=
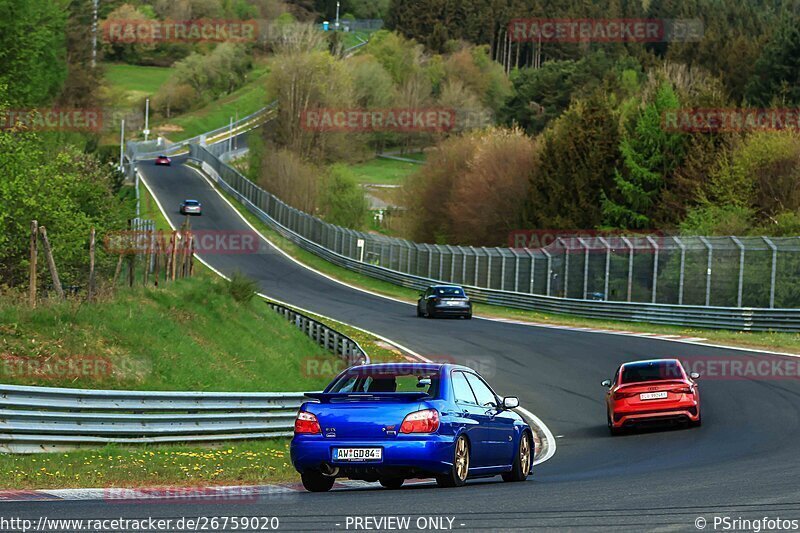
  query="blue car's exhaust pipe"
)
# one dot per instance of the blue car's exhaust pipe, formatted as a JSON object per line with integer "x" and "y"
{"x": 329, "y": 470}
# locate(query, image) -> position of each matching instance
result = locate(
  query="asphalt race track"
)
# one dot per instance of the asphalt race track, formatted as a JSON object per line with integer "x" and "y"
{"x": 744, "y": 462}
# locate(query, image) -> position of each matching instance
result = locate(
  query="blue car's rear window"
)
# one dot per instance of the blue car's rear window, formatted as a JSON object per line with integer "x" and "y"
{"x": 369, "y": 380}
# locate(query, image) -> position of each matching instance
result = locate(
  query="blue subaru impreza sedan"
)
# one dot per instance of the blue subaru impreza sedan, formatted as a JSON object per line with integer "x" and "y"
{"x": 391, "y": 422}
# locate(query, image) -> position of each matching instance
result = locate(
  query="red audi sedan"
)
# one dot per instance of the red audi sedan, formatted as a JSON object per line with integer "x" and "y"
{"x": 652, "y": 392}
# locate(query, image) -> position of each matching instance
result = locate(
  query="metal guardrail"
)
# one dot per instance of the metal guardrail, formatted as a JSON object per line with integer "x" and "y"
{"x": 136, "y": 150}
{"x": 40, "y": 419}
{"x": 330, "y": 339}
{"x": 259, "y": 202}
{"x": 35, "y": 419}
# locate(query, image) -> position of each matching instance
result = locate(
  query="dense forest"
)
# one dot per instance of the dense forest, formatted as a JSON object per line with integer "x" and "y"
{"x": 555, "y": 135}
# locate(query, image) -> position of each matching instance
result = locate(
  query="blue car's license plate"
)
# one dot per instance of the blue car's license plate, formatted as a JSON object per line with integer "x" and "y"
{"x": 357, "y": 454}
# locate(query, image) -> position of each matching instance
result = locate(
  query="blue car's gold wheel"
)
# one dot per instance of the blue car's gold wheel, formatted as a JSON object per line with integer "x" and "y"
{"x": 460, "y": 470}
{"x": 522, "y": 460}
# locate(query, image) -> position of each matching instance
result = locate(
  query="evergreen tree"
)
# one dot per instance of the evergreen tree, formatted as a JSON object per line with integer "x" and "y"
{"x": 649, "y": 155}
{"x": 777, "y": 71}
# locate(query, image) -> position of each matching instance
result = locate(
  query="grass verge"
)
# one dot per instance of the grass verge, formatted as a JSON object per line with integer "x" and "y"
{"x": 243, "y": 463}
{"x": 135, "y": 82}
{"x": 383, "y": 171}
{"x": 787, "y": 342}
{"x": 187, "y": 335}
{"x": 247, "y": 99}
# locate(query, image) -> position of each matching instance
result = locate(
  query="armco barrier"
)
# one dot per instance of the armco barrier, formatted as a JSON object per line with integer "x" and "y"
{"x": 39, "y": 419}
{"x": 34, "y": 419}
{"x": 731, "y": 318}
{"x": 330, "y": 339}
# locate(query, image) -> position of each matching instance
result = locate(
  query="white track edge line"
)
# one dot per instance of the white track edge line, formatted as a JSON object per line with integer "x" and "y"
{"x": 585, "y": 329}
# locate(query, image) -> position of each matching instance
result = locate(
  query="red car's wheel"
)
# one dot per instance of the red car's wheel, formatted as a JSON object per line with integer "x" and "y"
{"x": 613, "y": 430}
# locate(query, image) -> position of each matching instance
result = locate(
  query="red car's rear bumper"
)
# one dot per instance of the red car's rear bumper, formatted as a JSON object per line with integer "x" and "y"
{"x": 687, "y": 410}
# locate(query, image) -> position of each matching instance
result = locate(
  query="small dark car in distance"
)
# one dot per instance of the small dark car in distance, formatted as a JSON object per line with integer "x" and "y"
{"x": 163, "y": 160}
{"x": 191, "y": 207}
{"x": 444, "y": 300}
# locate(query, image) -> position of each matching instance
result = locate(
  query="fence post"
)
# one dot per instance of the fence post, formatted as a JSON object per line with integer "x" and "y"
{"x": 773, "y": 271}
{"x": 549, "y": 269}
{"x": 430, "y": 260}
{"x": 607, "y": 267}
{"x": 173, "y": 254}
{"x": 630, "y": 266}
{"x": 741, "y": 270}
{"x": 502, "y": 270}
{"x": 683, "y": 270}
{"x": 516, "y": 271}
{"x": 655, "y": 266}
{"x": 33, "y": 260}
{"x": 533, "y": 267}
{"x": 488, "y": 268}
{"x": 51, "y": 263}
{"x": 566, "y": 265}
{"x": 463, "y": 264}
{"x": 708, "y": 270}
{"x": 90, "y": 290}
{"x": 585, "y": 267}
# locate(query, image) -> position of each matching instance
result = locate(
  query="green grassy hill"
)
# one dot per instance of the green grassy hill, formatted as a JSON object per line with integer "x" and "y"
{"x": 190, "y": 335}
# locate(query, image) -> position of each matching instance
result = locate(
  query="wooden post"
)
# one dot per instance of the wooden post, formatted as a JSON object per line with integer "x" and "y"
{"x": 33, "y": 260}
{"x": 117, "y": 271}
{"x": 92, "y": 236}
{"x": 131, "y": 259}
{"x": 191, "y": 257}
{"x": 51, "y": 263}
{"x": 131, "y": 269}
{"x": 148, "y": 244}
{"x": 174, "y": 255}
{"x": 187, "y": 253}
{"x": 157, "y": 257}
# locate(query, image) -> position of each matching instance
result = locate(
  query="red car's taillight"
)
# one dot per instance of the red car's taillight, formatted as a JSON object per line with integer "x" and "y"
{"x": 683, "y": 390}
{"x": 426, "y": 421}
{"x": 306, "y": 423}
{"x": 622, "y": 395}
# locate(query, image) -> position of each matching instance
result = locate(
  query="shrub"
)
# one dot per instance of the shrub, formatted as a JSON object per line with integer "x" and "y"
{"x": 242, "y": 288}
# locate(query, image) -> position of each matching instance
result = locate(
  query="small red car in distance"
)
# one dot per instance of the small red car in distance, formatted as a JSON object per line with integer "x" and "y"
{"x": 163, "y": 160}
{"x": 653, "y": 391}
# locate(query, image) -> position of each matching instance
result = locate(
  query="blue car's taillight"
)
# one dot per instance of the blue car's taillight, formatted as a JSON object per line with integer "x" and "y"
{"x": 306, "y": 424}
{"x": 425, "y": 421}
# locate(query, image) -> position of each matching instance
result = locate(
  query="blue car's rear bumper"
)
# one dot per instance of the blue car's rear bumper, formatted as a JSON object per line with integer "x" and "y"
{"x": 411, "y": 454}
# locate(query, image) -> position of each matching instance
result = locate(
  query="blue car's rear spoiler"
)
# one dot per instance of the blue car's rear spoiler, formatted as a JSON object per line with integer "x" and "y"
{"x": 327, "y": 397}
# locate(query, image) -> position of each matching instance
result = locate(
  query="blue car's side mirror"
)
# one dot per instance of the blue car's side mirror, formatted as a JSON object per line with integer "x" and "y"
{"x": 510, "y": 402}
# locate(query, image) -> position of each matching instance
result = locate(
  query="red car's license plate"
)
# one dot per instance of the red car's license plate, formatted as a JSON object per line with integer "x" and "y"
{"x": 653, "y": 395}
